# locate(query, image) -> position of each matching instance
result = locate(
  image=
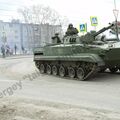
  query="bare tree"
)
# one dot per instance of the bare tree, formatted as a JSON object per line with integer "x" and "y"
{"x": 39, "y": 14}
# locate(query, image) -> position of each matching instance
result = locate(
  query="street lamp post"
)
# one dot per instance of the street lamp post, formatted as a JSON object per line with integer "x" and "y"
{"x": 115, "y": 4}
{"x": 115, "y": 11}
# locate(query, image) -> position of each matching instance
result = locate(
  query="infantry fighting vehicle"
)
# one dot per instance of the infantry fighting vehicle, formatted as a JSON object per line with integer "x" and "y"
{"x": 79, "y": 57}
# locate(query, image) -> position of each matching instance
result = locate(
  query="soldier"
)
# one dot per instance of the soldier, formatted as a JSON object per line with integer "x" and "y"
{"x": 71, "y": 30}
{"x": 56, "y": 38}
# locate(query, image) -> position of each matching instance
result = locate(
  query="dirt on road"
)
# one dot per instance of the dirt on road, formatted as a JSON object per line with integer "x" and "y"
{"x": 27, "y": 109}
{"x": 16, "y": 69}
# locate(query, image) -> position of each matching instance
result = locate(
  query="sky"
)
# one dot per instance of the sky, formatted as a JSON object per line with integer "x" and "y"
{"x": 77, "y": 11}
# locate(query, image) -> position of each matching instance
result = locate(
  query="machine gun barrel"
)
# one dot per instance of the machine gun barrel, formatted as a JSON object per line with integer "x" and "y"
{"x": 102, "y": 30}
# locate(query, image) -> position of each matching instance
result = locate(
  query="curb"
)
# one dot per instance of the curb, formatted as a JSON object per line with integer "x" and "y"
{"x": 16, "y": 57}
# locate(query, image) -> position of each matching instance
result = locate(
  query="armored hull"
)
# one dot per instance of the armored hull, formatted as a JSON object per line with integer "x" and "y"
{"x": 77, "y": 58}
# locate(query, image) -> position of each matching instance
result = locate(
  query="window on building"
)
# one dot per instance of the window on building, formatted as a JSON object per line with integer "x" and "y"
{"x": 16, "y": 37}
{"x": 16, "y": 31}
{"x": 10, "y": 25}
{"x": 36, "y": 28}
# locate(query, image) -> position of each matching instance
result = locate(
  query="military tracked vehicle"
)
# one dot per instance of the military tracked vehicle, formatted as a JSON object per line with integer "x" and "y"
{"x": 79, "y": 57}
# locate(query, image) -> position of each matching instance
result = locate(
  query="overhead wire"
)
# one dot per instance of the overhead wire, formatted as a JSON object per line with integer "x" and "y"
{"x": 9, "y": 9}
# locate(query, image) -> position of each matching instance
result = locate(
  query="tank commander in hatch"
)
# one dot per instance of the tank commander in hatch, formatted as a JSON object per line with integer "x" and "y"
{"x": 56, "y": 38}
{"x": 71, "y": 30}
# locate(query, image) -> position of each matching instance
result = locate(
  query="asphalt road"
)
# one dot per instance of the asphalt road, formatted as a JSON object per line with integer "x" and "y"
{"x": 103, "y": 91}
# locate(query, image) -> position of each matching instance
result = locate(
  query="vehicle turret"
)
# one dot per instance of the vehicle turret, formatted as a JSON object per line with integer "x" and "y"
{"x": 89, "y": 38}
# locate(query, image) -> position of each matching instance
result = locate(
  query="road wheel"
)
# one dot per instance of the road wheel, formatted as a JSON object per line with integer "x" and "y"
{"x": 113, "y": 70}
{"x": 54, "y": 70}
{"x": 80, "y": 73}
{"x": 48, "y": 69}
{"x": 71, "y": 72}
{"x": 62, "y": 71}
{"x": 37, "y": 64}
{"x": 42, "y": 68}
{"x": 102, "y": 70}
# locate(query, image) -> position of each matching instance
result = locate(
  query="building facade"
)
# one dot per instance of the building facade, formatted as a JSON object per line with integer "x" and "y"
{"x": 26, "y": 36}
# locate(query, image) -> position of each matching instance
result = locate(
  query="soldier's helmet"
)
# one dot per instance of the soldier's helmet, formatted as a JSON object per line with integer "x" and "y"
{"x": 92, "y": 31}
{"x": 70, "y": 25}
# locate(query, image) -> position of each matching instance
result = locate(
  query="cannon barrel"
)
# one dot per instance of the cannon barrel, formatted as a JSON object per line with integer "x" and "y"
{"x": 102, "y": 30}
